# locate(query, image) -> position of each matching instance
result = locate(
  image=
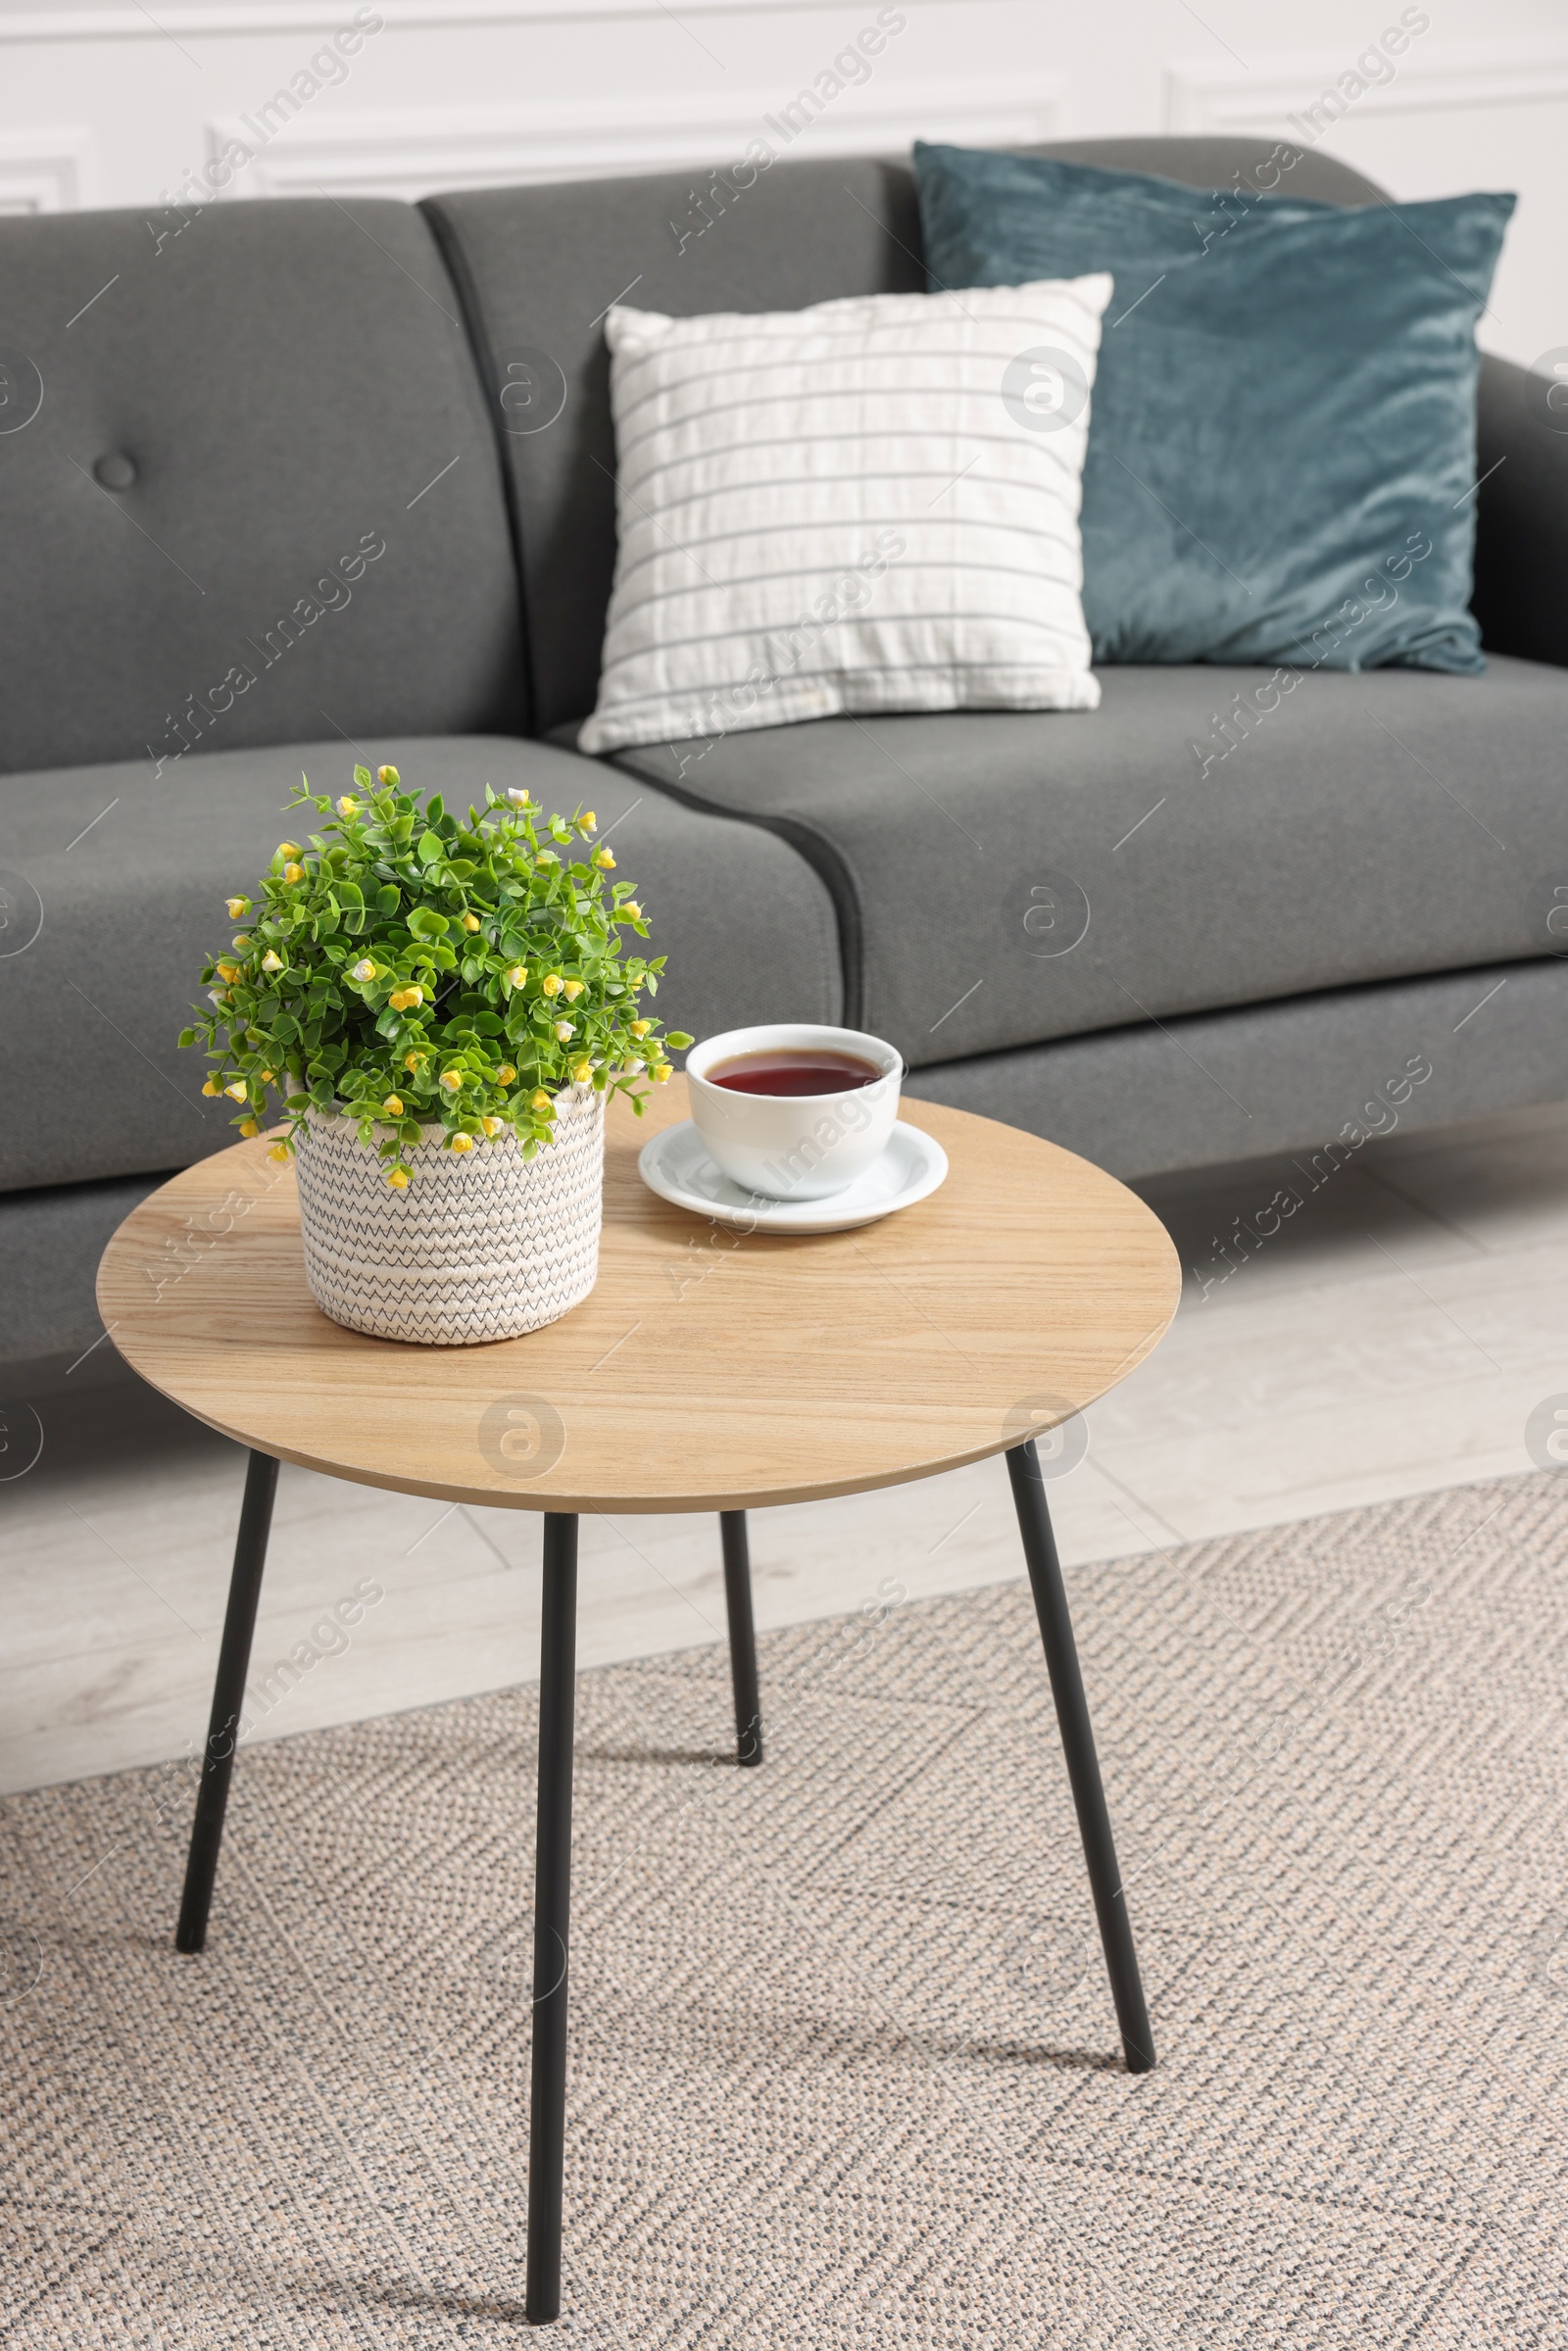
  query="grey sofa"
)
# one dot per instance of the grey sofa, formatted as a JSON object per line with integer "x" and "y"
{"x": 310, "y": 483}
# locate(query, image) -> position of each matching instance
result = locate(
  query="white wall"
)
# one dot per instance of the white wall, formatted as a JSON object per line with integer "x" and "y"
{"x": 110, "y": 101}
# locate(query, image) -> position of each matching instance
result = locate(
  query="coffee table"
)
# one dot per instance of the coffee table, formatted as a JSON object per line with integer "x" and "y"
{"x": 709, "y": 1369}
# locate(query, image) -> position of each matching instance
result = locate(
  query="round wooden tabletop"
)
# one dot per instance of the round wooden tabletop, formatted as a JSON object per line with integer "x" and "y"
{"x": 709, "y": 1369}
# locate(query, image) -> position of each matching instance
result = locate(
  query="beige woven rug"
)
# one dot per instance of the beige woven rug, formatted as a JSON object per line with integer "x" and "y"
{"x": 844, "y": 2067}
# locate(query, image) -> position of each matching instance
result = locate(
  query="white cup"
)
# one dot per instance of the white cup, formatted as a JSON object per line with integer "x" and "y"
{"x": 794, "y": 1146}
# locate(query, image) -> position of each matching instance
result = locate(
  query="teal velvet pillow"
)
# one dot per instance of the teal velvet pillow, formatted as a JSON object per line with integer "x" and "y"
{"x": 1282, "y": 447}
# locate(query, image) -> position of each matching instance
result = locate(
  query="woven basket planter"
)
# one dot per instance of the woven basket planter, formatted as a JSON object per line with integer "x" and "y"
{"x": 483, "y": 1246}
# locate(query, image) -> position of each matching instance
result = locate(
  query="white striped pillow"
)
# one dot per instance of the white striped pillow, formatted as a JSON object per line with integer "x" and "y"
{"x": 871, "y": 505}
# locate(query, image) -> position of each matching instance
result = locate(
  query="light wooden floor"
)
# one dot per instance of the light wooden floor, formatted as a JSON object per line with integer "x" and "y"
{"x": 1393, "y": 1337}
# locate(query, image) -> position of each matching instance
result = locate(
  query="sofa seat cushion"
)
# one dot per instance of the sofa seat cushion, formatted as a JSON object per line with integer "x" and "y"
{"x": 1208, "y": 837}
{"x": 114, "y": 885}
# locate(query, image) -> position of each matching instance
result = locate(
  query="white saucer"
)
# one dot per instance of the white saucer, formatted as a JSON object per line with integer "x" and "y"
{"x": 676, "y": 1165}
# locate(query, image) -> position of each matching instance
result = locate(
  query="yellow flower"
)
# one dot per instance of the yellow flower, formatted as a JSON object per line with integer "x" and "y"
{"x": 287, "y": 849}
{"x": 452, "y": 1079}
{"x": 516, "y": 977}
{"x": 364, "y": 969}
{"x": 518, "y": 798}
{"x": 631, "y": 912}
{"x": 271, "y": 960}
{"x": 393, "y": 1105}
{"x": 402, "y": 1000}
{"x": 212, "y": 1087}
{"x": 347, "y": 806}
{"x": 605, "y": 858}
{"x": 540, "y": 1101}
{"x": 581, "y": 1072}
{"x": 280, "y": 1151}
{"x": 491, "y": 1126}
{"x": 237, "y": 906}
{"x": 249, "y": 1126}
{"x": 640, "y": 1028}
{"x": 563, "y": 1030}
{"x": 547, "y": 857}
{"x": 269, "y": 1077}
{"x": 470, "y": 922}
{"x": 398, "y": 1178}
{"x": 506, "y": 1075}
{"x": 413, "y": 1060}
{"x": 293, "y": 873}
{"x": 388, "y": 777}
{"x": 228, "y": 971}
{"x": 461, "y": 1142}
{"x": 663, "y": 1072}
{"x": 239, "y": 1092}
{"x": 551, "y": 984}
{"x": 241, "y": 940}
{"x": 587, "y": 822}
{"x": 571, "y": 991}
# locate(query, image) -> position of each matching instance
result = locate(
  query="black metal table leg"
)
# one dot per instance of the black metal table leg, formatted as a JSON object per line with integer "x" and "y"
{"x": 552, "y": 1919}
{"x": 742, "y": 1637}
{"x": 1083, "y": 1765}
{"x": 228, "y": 1699}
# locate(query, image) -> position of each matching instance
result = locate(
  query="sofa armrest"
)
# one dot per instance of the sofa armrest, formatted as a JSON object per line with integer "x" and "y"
{"x": 1521, "y": 590}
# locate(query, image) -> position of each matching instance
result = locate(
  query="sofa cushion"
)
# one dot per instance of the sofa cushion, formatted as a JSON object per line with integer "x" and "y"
{"x": 1008, "y": 877}
{"x": 1344, "y": 439}
{"x": 114, "y": 889}
{"x": 260, "y": 497}
{"x": 538, "y": 268}
{"x": 828, "y": 509}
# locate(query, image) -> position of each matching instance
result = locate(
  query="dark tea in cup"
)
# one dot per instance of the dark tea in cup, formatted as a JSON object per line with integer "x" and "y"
{"x": 793, "y": 1070}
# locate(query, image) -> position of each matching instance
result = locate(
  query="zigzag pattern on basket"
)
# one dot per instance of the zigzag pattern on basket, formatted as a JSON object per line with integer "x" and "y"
{"x": 487, "y": 1245}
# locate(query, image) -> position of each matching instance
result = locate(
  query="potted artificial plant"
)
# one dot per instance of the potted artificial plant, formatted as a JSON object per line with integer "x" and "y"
{"x": 442, "y": 1005}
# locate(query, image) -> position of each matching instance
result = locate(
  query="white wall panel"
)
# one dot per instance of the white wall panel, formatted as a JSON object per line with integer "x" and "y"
{"x": 410, "y": 153}
{"x": 45, "y": 170}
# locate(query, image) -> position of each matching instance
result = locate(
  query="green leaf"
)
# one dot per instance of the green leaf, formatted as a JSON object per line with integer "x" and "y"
{"x": 388, "y": 899}
{"x": 461, "y": 868}
{"x": 429, "y": 848}
{"x": 679, "y": 1039}
{"x": 435, "y": 808}
{"x": 187, "y": 1036}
